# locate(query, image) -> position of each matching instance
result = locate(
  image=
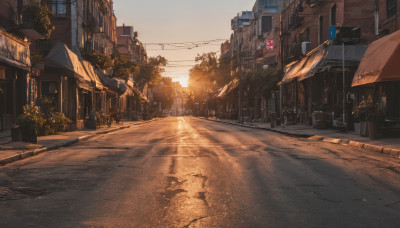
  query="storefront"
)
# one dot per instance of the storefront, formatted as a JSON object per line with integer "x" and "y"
{"x": 15, "y": 80}
{"x": 316, "y": 88}
{"x": 379, "y": 76}
{"x": 67, "y": 83}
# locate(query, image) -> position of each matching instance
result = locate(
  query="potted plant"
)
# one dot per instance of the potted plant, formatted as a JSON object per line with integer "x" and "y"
{"x": 369, "y": 112}
{"x": 30, "y": 121}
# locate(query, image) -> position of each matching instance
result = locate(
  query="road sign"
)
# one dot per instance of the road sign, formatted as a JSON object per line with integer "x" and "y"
{"x": 269, "y": 44}
{"x": 332, "y": 32}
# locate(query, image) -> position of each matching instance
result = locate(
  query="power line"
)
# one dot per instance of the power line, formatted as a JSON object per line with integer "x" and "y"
{"x": 190, "y": 42}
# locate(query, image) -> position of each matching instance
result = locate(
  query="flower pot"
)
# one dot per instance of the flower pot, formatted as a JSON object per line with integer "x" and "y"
{"x": 29, "y": 134}
{"x": 372, "y": 129}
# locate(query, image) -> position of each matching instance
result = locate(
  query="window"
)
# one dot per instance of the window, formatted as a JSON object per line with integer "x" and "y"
{"x": 59, "y": 7}
{"x": 333, "y": 15}
{"x": 269, "y": 3}
{"x": 266, "y": 24}
{"x": 391, "y": 8}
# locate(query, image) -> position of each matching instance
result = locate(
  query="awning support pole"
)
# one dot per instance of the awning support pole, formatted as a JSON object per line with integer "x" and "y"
{"x": 344, "y": 87}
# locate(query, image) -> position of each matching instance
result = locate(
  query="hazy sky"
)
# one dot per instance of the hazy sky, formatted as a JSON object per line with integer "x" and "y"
{"x": 174, "y": 21}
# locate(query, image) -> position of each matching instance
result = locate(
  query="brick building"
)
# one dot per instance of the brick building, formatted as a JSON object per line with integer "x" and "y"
{"x": 388, "y": 16}
{"x": 128, "y": 44}
{"x": 308, "y": 22}
{"x": 316, "y": 85}
{"x": 84, "y": 24}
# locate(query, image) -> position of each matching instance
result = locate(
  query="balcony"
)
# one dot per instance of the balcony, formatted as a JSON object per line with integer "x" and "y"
{"x": 28, "y": 28}
{"x": 92, "y": 25}
{"x": 295, "y": 20}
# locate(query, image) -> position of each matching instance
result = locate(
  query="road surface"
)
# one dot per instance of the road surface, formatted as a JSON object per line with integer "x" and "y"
{"x": 190, "y": 172}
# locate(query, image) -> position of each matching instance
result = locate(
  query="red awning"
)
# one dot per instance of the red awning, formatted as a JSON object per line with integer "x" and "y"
{"x": 380, "y": 62}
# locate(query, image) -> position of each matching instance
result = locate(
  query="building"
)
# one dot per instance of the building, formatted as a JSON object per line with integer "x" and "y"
{"x": 128, "y": 44}
{"x": 315, "y": 89}
{"x": 266, "y": 41}
{"x": 306, "y": 24}
{"x": 387, "y": 16}
{"x": 17, "y": 86}
{"x": 84, "y": 24}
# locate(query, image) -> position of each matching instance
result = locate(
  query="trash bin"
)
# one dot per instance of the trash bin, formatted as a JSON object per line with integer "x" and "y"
{"x": 272, "y": 118}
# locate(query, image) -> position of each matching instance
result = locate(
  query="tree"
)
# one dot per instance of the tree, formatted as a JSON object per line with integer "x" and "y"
{"x": 98, "y": 59}
{"x": 265, "y": 81}
{"x": 123, "y": 67}
{"x": 209, "y": 74}
{"x": 151, "y": 71}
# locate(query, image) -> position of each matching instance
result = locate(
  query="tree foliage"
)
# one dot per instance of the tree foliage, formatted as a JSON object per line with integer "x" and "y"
{"x": 41, "y": 19}
{"x": 151, "y": 71}
{"x": 98, "y": 59}
{"x": 123, "y": 67}
{"x": 265, "y": 81}
{"x": 209, "y": 73}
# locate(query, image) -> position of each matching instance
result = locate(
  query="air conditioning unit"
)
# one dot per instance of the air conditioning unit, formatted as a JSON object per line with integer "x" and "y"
{"x": 305, "y": 47}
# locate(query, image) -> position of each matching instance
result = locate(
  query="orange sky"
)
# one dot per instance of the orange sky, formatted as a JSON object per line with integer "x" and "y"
{"x": 176, "y": 21}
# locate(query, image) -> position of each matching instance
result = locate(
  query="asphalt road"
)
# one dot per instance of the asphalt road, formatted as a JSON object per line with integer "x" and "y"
{"x": 189, "y": 172}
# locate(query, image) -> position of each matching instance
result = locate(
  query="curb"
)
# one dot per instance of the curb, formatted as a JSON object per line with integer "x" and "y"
{"x": 395, "y": 153}
{"x": 262, "y": 128}
{"x": 32, "y": 153}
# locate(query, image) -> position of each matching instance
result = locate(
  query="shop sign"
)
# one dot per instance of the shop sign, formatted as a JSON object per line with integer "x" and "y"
{"x": 13, "y": 51}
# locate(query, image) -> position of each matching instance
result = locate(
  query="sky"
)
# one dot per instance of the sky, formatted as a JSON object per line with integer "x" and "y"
{"x": 178, "y": 21}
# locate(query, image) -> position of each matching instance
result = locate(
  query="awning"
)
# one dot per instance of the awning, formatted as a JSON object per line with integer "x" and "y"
{"x": 228, "y": 88}
{"x": 312, "y": 64}
{"x": 291, "y": 72}
{"x": 111, "y": 83}
{"x": 322, "y": 58}
{"x": 60, "y": 56}
{"x": 92, "y": 74}
{"x": 381, "y": 62}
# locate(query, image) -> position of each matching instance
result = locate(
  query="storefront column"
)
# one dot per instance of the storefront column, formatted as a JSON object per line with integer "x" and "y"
{"x": 14, "y": 97}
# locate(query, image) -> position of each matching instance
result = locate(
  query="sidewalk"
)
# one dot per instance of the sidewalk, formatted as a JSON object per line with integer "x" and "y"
{"x": 389, "y": 146}
{"x": 14, "y": 151}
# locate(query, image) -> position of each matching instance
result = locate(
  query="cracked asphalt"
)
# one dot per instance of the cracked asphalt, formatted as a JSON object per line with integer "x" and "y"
{"x": 189, "y": 172}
